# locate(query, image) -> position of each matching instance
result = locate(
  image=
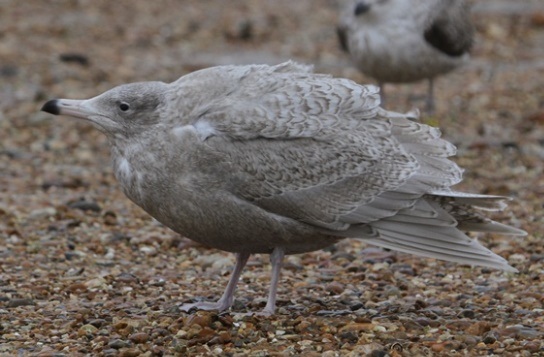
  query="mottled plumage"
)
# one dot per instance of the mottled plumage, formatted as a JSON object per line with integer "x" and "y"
{"x": 279, "y": 160}
{"x": 399, "y": 41}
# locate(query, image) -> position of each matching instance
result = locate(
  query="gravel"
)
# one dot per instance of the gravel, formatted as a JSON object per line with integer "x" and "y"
{"x": 85, "y": 272}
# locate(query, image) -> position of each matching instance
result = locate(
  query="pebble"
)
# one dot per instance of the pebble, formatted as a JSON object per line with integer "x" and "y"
{"x": 520, "y": 331}
{"x": 42, "y": 213}
{"x": 302, "y": 328}
{"x": 481, "y": 346}
{"x": 221, "y": 338}
{"x": 380, "y": 266}
{"x": 139, "y": 337}
{"x": 110, "y": 253}
{"x": 437, "y": 347}
{"x": 86, "y": 330}
{"x": 181, "y": 334}
{"x": 478, "y": 328}
{"x": 372, "y": 349}
{"x": 126, "y": 326}
{"x": 205, "y": 334}
{"x": 222, "y": 263}
{"x": 70, "y": 255}
{"x": 19, "y": 302}
{"x": 201, "y": 318}
{"x": 126, "y": 278}
{"x": 533, "y": 346}
{"x": 490, "y": 337}
{"x": 85, "y": 205}
{"x": 468, "y": 313}
{"x": 482, "y": 289}
{"x": 357, "y": 305}
{"x": 349, "y": 336}
{"x": 226, "y": 320}
{"x": 217, "y": 261}
{"x": 333, "y": 313}
{"x": 110, "y": 352}
{"x": 358, "y": 327}
{"x": 130, "y": 352}
{"x": 77, "y": 287}
{"x": 193, "y": 331}
{"x": 405, "y": 269}
{"x": 517, "y": 258}
{"x": 97, "y": 322}
{"x": 95, "y": 283}
{"x": 423, "y": 321}
{"x": 305, "y": 343}
{"x": 73, "y": 57}
{"x": 110, "y": 218}
{"x": 335, "y": 288}
{"x": 343, "y": 255}
{"x": 118, "y": 344}
{"x": 391, "y": 290}
{"x": 469, "y": 340}
{"x": 535, "y": 258}
{"x": 149, "y": 250}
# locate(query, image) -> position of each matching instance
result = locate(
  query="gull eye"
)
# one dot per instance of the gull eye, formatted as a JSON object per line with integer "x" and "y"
{"x": 124, "y": 106}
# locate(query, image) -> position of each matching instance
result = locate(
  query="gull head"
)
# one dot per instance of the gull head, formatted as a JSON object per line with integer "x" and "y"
{"x": 122, "y": 111}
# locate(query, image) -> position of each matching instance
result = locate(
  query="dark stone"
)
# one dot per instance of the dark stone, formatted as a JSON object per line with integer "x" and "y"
{"x": 117, "y": 344}
{"x": 85, "y": 205}
{"x": 467, "y": 313}
{"x": 19, "y": 302}
{"x": 350, "y": 336}
{"x": 76, "y": 58}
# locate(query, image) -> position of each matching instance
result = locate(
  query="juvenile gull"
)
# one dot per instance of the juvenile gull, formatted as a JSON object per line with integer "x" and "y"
{"x": 279, "y": 160}
{"x": 399, "y": 41}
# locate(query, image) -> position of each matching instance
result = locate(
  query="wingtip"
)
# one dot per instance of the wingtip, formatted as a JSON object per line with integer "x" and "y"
{"x": 519, "y": 232}
{"x": 511, "y": 269}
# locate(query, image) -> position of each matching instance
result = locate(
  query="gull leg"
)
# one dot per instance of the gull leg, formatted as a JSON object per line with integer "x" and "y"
{"x": 382, "y": 94}
{"x": 276, "y": 259}
{"x": 227, "y": 298}
{"x": 430, "y": 97}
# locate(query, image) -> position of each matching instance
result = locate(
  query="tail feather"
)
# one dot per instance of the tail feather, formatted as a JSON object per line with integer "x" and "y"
{"x": 385, "y": 205}
{"x": 490, "y": 226}
{"x": 439, "y": 235}
{"x": 434, "y": 228}
{"x": 492, "y": 260}
{"x": 440, "y": 221}
{"x": 438, "y": 163}
{"x": 431, "y": 235}
{"x": 485, "y": 202}
{"x": 463, "y": 208}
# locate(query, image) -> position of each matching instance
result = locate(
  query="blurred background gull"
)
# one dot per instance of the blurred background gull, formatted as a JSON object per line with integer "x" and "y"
{"x": 402, "y": 41}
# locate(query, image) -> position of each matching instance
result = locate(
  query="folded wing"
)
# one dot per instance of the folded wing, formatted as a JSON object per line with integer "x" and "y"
{"x": 320, "y": 150}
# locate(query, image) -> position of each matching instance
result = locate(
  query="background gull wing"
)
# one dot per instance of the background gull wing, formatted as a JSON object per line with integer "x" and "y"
{"x": 449, "y": 28}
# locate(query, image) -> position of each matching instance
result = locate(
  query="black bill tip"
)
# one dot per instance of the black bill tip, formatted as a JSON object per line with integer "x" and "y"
{"x": 52, "y": 107}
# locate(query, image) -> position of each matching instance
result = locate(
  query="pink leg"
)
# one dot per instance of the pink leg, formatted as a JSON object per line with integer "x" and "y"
{"x": 276, "y": 259}
{"x": 225, "y": 302}
{"x": 382, "y": 94}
